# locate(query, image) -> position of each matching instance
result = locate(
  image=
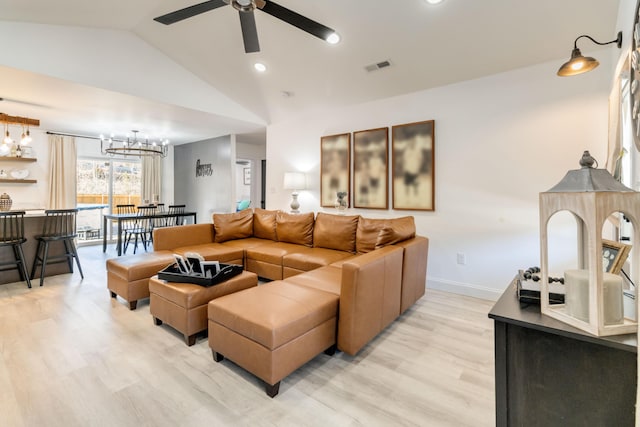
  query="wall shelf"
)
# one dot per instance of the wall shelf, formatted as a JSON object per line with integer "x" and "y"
{"x": 18, "y": 181}
{"x": 17, "y": 159}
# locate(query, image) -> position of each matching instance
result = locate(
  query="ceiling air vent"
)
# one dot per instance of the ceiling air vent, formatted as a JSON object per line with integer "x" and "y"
{"x": 377, "y": 66}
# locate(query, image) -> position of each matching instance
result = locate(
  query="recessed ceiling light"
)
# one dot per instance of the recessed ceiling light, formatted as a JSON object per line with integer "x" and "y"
{"x": 259, "y": 66}
{"x": 434, "y": 1}
{"x": 333, "y": 38}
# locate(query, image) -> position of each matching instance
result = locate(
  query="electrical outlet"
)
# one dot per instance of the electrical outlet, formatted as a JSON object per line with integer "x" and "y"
{"x": 462, "y": 258}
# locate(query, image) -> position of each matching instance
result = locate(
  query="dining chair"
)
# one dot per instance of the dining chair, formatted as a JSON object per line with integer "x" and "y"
{"x": 12, "y": 235}
{"x": 126, "y": 223}
{"x": 159, "y": 222}
{"x": 59, "y": 226}
{"x": 173, "y": 218}
{"x": 142, "y": 228}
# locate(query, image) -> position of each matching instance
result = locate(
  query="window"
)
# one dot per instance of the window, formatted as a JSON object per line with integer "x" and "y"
{"x": 103, "y": 184}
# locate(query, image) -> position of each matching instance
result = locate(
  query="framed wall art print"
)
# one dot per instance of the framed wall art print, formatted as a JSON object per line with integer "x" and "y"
{"x": 413, "y": 171}
{"x": 335, "y": 169}
{"x": 370, "y": 169}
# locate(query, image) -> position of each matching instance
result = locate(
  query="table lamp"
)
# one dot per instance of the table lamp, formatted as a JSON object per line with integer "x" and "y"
{"x": 295, "y": 181}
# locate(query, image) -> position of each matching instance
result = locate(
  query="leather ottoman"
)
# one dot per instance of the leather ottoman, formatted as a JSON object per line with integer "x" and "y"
{"x": 273, "y": 329}
{"x": 184, "y": 305}
{"x": 128, "y": 276}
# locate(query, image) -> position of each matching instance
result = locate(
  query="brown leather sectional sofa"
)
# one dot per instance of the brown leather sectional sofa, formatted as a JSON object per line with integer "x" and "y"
{"x": 337, "y": 281}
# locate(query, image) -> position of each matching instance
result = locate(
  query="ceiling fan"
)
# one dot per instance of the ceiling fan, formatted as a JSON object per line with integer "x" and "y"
{"x": 245, "y": 9}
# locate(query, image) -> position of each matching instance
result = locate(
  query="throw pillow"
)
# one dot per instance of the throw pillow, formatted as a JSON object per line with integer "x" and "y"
{"x": 232, "y": 226}
{"x": 335, "y": 232}
{"x": 396, "y": 230}
{"x": 295, "y": 228}
{"x": 264, "y": 224}
{"x": 367, "y": 234}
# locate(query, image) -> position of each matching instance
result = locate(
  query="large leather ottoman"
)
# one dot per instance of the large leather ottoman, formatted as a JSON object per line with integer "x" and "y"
{"x": 128, "y": 276}
{"x": 273, "y": 329}
{"x": 184, "y": 305}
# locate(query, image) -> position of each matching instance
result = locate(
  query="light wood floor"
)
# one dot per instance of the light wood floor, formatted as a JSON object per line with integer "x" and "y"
{"x": 72, "y": 356}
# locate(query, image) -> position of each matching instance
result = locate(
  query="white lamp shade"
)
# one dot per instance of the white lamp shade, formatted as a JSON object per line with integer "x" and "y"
{"x": 295, "y": 181}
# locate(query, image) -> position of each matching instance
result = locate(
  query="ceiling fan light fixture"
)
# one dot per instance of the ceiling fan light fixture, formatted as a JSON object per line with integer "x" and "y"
{"x": 247, "y": 20}
{"x": 260, "y": 67}
{"x": 333, "y": 38}
{"x": 243, "y": 5}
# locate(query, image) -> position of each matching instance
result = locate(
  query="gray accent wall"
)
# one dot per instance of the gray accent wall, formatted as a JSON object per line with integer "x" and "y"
{"x": 210, "y": 188}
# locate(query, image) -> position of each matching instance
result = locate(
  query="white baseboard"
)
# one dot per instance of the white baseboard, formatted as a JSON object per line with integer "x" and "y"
{"x": 464, "y": 289}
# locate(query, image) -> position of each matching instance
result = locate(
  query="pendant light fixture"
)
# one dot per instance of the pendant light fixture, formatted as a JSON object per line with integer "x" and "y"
{"x": 579, "y": 64}
{"x": 26, "y": 136}
{"x": 7, "y": 136}
{"x": 24, "y": 122}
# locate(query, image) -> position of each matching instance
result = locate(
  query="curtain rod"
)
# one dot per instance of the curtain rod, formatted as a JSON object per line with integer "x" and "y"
{"x": 70, "y": 134}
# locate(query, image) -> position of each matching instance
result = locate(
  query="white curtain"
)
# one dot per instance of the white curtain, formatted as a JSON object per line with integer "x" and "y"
{"x": 151, "y": 178}
{"x": 62, "y": 172}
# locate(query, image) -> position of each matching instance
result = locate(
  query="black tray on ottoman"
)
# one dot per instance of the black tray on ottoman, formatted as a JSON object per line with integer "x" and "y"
{"x": 227, "y": 271}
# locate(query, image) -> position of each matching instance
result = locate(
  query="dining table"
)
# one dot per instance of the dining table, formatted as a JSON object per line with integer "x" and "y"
{"x": 121, "y": 218}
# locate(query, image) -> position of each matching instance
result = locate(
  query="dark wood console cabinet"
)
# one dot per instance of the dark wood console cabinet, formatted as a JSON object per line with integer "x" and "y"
{"x": 548, "y": 373}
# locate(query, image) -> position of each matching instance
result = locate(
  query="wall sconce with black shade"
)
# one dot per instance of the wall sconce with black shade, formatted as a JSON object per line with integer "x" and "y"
{"x": 579, "y": 64}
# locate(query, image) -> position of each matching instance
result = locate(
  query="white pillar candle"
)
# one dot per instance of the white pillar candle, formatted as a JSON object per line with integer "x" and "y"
{"x": 577, "y": 296}
{"x": 613, "y": 304}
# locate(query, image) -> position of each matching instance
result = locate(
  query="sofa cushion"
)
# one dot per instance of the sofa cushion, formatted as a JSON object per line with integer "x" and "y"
{"x": 326, "y": 279}
{"x": 335, "y": 232}
{"x": 306, "y": 259}
{"x": 396, "y": 230}
{"x": 244, "y": 244}
{"x": 213, "y": 252}
{"x": 295, "y": 228}
{"x": 271, "y": 253}
{"x": 264, "y": 224}
{"x": 367, "y": 234}
{"x": 168, "y": 238}
{"x": 231, "y": 226}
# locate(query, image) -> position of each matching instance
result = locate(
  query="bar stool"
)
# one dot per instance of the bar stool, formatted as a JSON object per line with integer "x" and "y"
{"x": 12, "y": 234}
{"x": 59, "y": 226}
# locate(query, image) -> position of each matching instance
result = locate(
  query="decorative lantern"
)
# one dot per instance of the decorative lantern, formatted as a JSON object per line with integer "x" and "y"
{"x": 591, "y": 195}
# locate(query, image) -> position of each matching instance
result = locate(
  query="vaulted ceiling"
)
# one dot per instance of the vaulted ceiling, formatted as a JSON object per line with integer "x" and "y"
{"x": 426, "y": 45}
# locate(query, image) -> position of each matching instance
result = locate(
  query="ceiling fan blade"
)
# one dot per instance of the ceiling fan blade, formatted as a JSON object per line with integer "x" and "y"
{"x": 249, "y": 32}
{"x": 188, "y": 12}
{"x": 305, "y": 24}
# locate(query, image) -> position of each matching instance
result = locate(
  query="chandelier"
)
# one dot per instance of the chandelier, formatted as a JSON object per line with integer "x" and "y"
{"x": 133, "y": 147}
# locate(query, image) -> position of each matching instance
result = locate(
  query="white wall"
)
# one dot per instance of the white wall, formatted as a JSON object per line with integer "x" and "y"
{"x": 209, "y": 193}
{"x": 499, "y": 142}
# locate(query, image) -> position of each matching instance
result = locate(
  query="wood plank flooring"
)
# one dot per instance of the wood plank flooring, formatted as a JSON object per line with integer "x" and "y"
{"x": 72, "y": 356}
